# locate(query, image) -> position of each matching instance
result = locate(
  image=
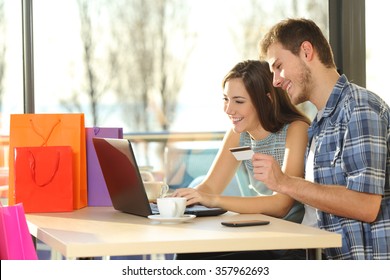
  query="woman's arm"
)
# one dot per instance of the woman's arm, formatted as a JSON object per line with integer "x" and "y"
{"x": 276, "y": 205}
{"x": 223, "y": 168}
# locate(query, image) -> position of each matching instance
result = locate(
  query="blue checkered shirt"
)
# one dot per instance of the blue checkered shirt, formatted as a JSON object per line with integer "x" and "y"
{"x": 352, "y": 149}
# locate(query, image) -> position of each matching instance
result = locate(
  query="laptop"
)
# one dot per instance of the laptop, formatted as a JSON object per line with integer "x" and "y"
{"x": 124, "y": 183}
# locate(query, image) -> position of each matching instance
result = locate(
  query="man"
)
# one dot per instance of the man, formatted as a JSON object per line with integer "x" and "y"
{"x": 348, "y": 141}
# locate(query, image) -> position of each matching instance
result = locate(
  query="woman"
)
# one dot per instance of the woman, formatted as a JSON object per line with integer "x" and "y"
{"x": 264, "y": 118}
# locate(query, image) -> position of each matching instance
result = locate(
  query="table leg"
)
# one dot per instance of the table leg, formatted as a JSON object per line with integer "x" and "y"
{"x": 157, "y": 256}
{"x": 314, "y": 254}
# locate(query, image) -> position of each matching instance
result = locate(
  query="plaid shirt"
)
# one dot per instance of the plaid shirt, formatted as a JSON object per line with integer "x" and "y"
{"x": 352, "y": 150}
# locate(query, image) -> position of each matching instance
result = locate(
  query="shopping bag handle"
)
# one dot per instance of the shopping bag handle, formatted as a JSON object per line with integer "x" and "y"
{"x": 45, "y": 139}
{"x": 33, "y": 166}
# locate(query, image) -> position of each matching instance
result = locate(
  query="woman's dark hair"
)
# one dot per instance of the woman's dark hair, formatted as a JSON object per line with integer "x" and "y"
{"x": 274, "y": 110}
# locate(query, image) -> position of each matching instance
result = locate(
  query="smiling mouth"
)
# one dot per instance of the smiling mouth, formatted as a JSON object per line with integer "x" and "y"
{"x": 286, "y": 86}
{"x": 236, "y": 120}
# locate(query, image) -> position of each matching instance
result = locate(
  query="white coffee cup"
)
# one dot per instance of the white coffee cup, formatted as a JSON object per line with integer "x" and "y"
{"x": 171, "y": 207}
{"x": 147, "y": 176}
{"x": 155, "y": 189}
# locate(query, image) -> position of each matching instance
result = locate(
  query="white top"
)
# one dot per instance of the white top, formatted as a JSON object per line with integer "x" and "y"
{"x": 310, "y": 217}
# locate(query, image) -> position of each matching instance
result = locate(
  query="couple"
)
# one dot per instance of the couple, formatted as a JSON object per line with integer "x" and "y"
{"x": 343, "y": 154}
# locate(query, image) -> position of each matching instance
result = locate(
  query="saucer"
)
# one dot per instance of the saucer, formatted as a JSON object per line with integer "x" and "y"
{"x": 171, "y": 220}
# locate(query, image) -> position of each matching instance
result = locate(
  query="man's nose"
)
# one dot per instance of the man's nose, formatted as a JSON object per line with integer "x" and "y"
{"x": 277, "y": 81}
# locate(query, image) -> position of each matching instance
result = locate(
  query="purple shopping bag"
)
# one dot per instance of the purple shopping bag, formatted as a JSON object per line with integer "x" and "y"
{"x": 97, "y": 190}
{"x": 16, "y": 242}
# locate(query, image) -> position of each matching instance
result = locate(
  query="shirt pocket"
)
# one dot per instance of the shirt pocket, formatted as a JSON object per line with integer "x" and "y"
{"x": 327, "y": 158}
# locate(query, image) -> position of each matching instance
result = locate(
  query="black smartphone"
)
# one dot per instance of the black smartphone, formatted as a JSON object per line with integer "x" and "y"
{"x": 245, "y": 223}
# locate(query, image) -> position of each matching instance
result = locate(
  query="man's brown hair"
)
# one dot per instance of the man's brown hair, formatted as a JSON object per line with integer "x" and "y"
{"x": 291, "y": 33}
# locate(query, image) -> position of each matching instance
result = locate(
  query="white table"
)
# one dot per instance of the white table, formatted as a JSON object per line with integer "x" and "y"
{"x": 103, "y": 231}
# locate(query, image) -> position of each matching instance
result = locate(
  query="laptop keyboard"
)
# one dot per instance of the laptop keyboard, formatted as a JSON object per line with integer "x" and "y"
{"x": 189, "y": 209}
{"x": 154, "y": 208}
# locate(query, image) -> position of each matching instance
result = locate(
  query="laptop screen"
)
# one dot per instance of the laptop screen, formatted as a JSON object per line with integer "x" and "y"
{"x": 122, "y": 176}
{"x": 124, "y": 181}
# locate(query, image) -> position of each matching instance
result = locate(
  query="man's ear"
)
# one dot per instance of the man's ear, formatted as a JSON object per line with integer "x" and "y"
{"x": 307, "y": 50}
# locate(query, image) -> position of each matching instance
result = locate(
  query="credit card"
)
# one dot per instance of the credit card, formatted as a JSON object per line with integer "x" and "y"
{"x": 242, "y": 153}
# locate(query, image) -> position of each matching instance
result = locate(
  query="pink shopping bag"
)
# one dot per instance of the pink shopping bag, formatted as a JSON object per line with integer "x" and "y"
{"x": 15, "y": 240}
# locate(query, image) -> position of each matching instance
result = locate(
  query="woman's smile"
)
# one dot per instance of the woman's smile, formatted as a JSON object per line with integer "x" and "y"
{"x": 236, "y": 120}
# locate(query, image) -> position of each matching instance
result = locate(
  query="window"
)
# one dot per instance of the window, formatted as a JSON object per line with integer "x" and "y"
{"x": 135, "y": 71}
{"x": 377, "y": 60}
{"x": 144, "y": 65}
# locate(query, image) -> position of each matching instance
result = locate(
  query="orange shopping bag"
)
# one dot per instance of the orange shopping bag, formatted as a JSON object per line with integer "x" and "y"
{"x": 38, "y": 130}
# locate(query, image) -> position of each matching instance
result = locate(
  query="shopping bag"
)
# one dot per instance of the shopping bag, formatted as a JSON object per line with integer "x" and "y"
{"x": 39, "y": 130}
{"x": 43, "y": 178}
{"x": 97, "y": 190}
{"x": 16, "y": 242}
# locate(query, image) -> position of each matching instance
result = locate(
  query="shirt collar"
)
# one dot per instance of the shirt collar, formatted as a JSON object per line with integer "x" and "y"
{"x": 335, "y": 96}
{"x": 331, "y": 105}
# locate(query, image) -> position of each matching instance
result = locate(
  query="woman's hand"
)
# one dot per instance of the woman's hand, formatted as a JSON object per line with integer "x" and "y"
{"x": 196, "y": 197}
